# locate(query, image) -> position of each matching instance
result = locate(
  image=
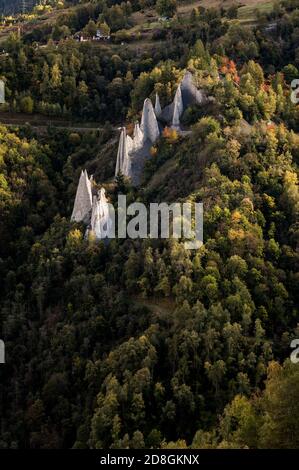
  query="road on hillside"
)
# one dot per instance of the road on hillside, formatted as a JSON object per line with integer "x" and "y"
{"x": 41, "y": 124}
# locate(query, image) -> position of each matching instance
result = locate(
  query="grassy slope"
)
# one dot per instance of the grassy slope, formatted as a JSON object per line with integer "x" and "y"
{"x": 148, "y": 19}
{"x": 145, "y": 22}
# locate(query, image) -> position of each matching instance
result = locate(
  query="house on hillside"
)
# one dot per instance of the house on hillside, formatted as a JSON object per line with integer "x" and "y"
{"x": 101, "y": 35}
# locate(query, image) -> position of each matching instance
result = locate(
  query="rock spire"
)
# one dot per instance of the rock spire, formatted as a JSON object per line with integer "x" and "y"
{"x": 83, "y": 200}
{"x": 100, "y": 223}
{"x": 178, "y": 109}
{"x": 149, "y": 123}
{"x": 123, "y": 162}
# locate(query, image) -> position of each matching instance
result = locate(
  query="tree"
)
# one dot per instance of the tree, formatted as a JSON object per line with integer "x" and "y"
{"x": 290, "y": 72}
{"x": 45, "y": 79}
{"x": 166, "y": 8}
{"x": 55, "y": 76}
{"x": 281, "y": 407}
{"x": 27, "y": 104}
{"x": 239, "y": 424}
{"x": 137, "y": 441}
{"x": 232, "y": 12}
{"x": 104, "y": 28}
{"x": 90, "y": 29}
{"x": 60, "y": 32}
{"x": 215, "y": 373}
{"x": 206, "y": 126}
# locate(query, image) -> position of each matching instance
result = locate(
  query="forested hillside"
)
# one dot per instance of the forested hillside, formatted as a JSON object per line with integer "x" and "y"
{"x": 8, "y": 7}
{"x": 142, "y": 343}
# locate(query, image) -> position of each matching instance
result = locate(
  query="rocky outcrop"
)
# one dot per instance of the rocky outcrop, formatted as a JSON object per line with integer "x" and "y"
{"x": 125, "y": 146}
{"x": 100, "y": 222}
{"x": 132, "y": 152}
{"x": 83, "y": 200}
{"x": 149, "y": 123}
{"x": 190, "y": 94}
{"x": 178, "y": 109}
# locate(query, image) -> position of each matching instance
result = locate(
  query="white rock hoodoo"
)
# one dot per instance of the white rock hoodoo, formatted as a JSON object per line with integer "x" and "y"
{"x": 100, "y": 222}
{"x": 83, "y": 200}
{"x": 91, "y": 208}
{"x": 123, "y": 162}
{"x": 149, "y": 123}
{"x": 137, "y": 137}
{"x": 132, "y": 153}
{"x": 178, "y": 109}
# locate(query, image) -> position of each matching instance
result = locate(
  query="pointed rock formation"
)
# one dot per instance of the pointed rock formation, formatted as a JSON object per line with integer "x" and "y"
{"x": 190, "y": 94}
{"x": 106, "y": 222}
{"x": 125, "y": 146}
{"x": 130, "y": 144}
{"x": 83, "y": 200}
{"x": 149, "y": 123}
{"x": 126, "y": 170}
{"x": 95, "y": 219}
{"x": 137, "y": 137}
{"x": 158, "y": 109}
{"x": 122, "y": 152}
{"x": 100, "y": 219}
{"x": 178, "y": 109}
